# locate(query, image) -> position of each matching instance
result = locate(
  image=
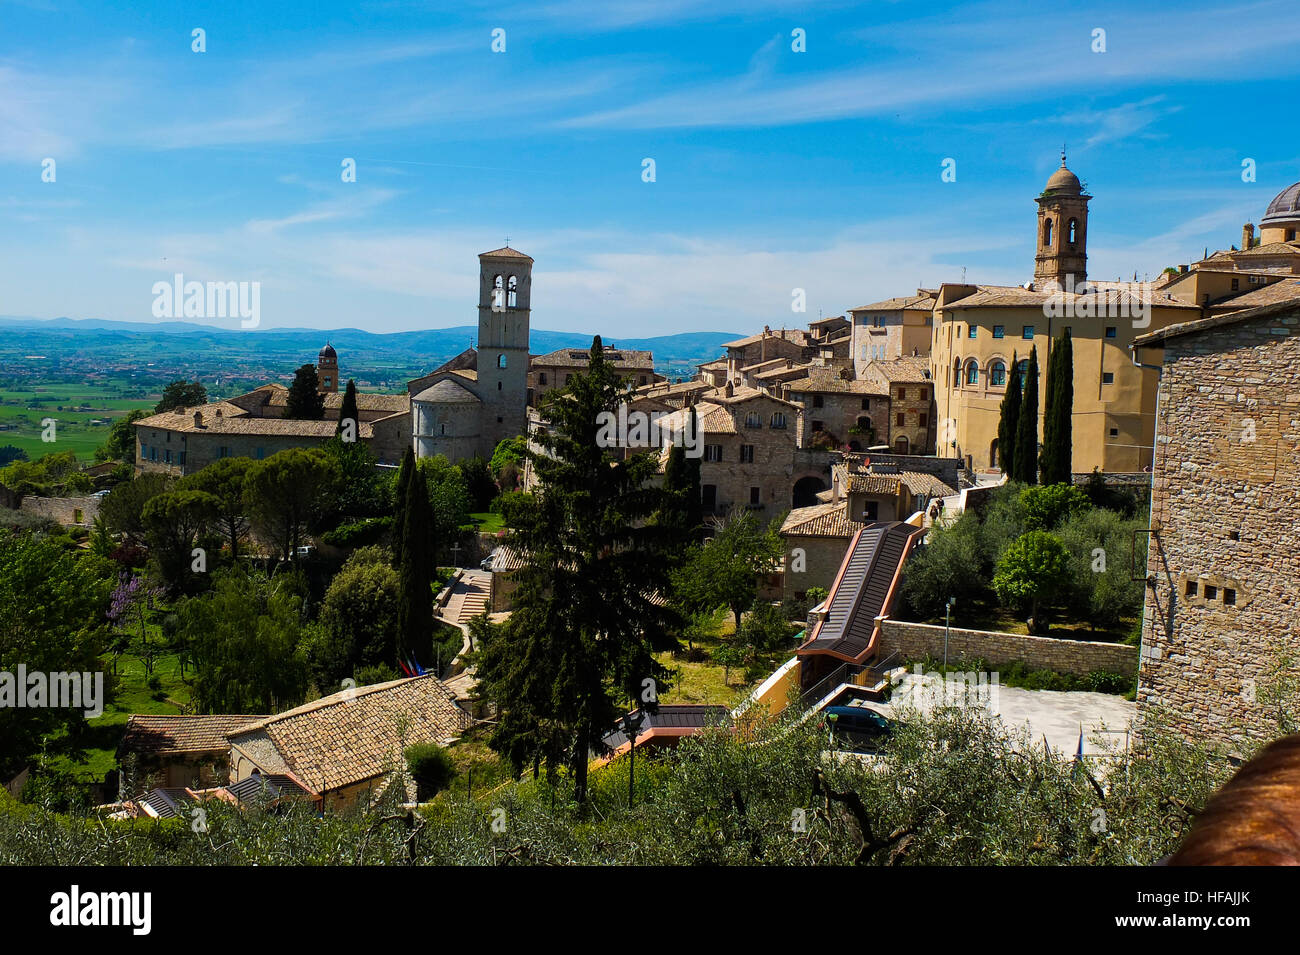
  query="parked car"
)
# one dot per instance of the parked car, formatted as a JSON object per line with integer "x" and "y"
{"x": 859, "y": 726}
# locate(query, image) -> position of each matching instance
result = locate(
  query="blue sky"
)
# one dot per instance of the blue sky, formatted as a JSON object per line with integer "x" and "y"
{"x": 775, "y": 169}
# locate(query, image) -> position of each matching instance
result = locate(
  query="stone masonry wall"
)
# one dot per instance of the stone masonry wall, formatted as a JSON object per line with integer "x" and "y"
{"x": 1225, "y": 548}
{"x": 64, "y": 510}
{"x": 1079, "y": 657}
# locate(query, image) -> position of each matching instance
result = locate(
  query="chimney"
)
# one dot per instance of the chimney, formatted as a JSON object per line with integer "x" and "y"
{"x": 1182, "y": 270}
{"x": 731, "y": 389}
{"x": 198, "y": 419}
{"x": 835, "y": 488}
{"x": 1247, "y": 235}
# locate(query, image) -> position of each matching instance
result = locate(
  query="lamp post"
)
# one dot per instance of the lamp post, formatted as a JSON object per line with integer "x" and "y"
{"x": 947, "y": 623}
{"x": 631, "y": 723}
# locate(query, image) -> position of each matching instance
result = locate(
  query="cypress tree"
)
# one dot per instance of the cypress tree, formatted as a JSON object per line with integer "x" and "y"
{"x": 349, "y": 410}
{"x": 1008, "y": 420}
{"x": 1026, "y": 463}
{"x": 415, "y": 597}
{"x": 305, "y": 402}
{"x": 399, "y": 503}
{"x": 1058, "y": 414}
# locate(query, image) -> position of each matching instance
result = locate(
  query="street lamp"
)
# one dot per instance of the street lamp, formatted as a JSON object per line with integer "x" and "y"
{"x": 947, "y": 622}
{"x": 631, "y": 723}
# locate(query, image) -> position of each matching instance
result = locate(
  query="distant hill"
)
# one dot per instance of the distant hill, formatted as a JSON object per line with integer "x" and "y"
{"x": 63, "y": 337}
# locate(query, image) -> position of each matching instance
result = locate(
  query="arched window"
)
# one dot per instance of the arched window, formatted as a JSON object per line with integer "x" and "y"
{"x": 998, "y": 374}
{"x": 512, "y": 296}
{"x": 498, "y": 293}
{"x": 972, "y": 372}
{"x": 778, "y": 419}
{"x": 753, "y": 420}
{"x": 501, "y": 361}
{"x": 1047, "y": 232}
{"x": 1072, "y": 235}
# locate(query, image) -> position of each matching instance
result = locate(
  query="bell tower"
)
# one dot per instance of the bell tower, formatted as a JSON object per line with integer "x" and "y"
{"x": 1062, "y": 256}
{"x": 504, "y": 295}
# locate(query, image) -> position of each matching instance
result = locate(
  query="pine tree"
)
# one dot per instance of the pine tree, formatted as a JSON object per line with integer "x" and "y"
{"x": 349, "y": 410}
{"x": 1058, "y": 414}
{"x": 1026, "y": 462}
{"x": 579, "y": 647}
{"x": 305, "y": 402}
{"x": 415, "y": 610}
{"x": 683, "y": 513}
{"x": 1008, "y": 421}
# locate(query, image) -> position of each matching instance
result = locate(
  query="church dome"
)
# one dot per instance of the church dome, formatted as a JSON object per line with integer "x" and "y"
{"x": 1064, "y": 181}
{"x": 1285, "y": 207}
{"x": 328, "y": 351}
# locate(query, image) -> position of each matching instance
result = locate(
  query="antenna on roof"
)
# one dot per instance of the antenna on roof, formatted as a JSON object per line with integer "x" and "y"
{"x": 963, "y": 275}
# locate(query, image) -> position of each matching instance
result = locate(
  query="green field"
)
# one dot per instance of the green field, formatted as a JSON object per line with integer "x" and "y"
{"x": 82, "y": 412}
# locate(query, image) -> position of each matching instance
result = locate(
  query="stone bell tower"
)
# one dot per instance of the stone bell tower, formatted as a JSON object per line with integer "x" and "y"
{"x": 1062, "y": 256}
{"x": 504, "y": 295}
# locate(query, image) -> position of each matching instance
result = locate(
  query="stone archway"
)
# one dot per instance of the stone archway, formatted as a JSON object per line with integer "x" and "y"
{"x": 806, "y": 490}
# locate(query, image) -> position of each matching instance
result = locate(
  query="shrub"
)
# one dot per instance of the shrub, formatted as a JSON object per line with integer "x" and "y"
{"x": 431, "y": 767}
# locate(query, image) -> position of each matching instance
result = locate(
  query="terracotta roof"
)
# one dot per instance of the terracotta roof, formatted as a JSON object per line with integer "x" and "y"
{"x": 926, "y": 485}
{"x": 166, "y": 735}
{"x": 242, "y": 423}
{"x": 504, "y": 253}
{"x": 827, "y": 380}
{"x": 1284, "y": 291}
{"x": 581, "y": 358}
{"x": 365, "y": 401}
{"x": 925, "y": 302}
{"x": 904, "y": 370}
{"x": 1273, "y": 248}
{"x": 796, "y": 335}
{"x": 820, "y": 520}
{"x": 357, "y": 734}
{"x": 1227, "y": 318}
{"x": 874, "y": 483}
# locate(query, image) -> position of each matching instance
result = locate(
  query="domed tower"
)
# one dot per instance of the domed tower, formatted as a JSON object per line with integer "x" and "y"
{"x": 504, "y": 305}
{"x": 327, "y": 370}
{"x": 1281, "y": 223}
{"x": 1062, "y": 257}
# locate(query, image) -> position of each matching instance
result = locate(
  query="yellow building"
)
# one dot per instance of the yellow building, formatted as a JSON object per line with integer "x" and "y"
{"x": 982, "y": 332}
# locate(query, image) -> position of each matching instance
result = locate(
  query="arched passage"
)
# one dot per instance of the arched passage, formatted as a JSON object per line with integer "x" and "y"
{"x": 806, "y": 490}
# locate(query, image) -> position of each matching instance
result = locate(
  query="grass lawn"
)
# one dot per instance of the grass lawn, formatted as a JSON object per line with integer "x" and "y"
{"x": 486, "y": 522}
{"x": 707, "y": 682}
{"x": 1006, "y": 621}
{"x": 72, "y": 406}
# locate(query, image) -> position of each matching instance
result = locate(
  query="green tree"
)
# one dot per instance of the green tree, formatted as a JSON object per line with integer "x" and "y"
{"x": 286, "y": 494}
{"x": 123, "y": 507}
{"x": 1031, "y": 574}
{"x": 120, "y": 445}
{"x": 173, "y": 521}
{"x": 1058, "y": 414}
{"x": 180, "y": 394}
{"x": 11, "y": 452}
{"x": 1101, "y": 588}
{"x": 305, "y": 401}
{"x": 580, "y": 644}
{"x": 479, "y": 484}
{"x": 765, "y": 627}
{"x": 431, "y": 767}
{"x": 348, "y": 411}
{"x": 416, "y": 567}
{"x": 1026, "y": 463}
{"x": 53, "y": 607}
{"x": 400, "y": 486}
{"x": 360, "y": 490}
{"x": 243, "y": 638}
{"x": 1046, "y": 506}
{"x": 449, "y": 500}
{"x": 358, "y": 619}
{"x": 725, "y": 571}
{"x": 508, "y": 462}
{"x": 683, "y": 514}
{"x": 1009, "y": 419}
{"x": 224, "y": 479}
{"x": 951, "y": 564}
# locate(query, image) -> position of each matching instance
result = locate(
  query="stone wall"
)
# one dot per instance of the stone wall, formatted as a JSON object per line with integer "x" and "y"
{"x": 822, "y": 557}
{"x": 1079, "y": 657}
{"x": 1224, "y": 558}
{"x": 68, "y": 511}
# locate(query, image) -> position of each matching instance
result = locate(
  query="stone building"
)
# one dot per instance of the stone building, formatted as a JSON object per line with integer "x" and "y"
{"x": 327, "y": 370}
{"x": 554, "y": 369}
{"x": 910, "y": 419}
{"x": 754, "y": 349}
{"x": 840, "y": 410}
{"x": 1223, "y": 567}
{"x": 895, "y": 328}
{"x": 467, "y": 406}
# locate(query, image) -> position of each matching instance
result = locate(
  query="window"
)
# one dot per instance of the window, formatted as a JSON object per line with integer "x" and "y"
{"x": 1114, "y": 432}
{"x": 925, "y": 394}
{"x": 713, "y": 452}
{"x": 899, "y": 419}
{"x": 778, "y": 419}
{"x": 866, "y": 404}
{"x": 925, "y": 419}
{"x": 753, "y": 420}
{"x": 902, "y": 394}
{"x": 709, "y": 496}
{"x": 499, "y": 386}
{"x": 1072, "y": 234}
{"x": 1191, "y": 588}
{"x": 755, "y": 496}
{"x": 818, "y": 401}
{"x": 1211, "y": 593}
{"x": 998, "y": 374}
{"x": 541, "y": 379}
{"x": 970, "y": 331}
{"x": 999, "y": 331}
{"x": 512, "y": 296}
{"x": 1236, "y": 284}
{"x": 1107, "y": 377}
{"x": 1027, "y": 333}
{"x": 1110, "y": 331}
{"x": 261, "y": 453}
{"x": 972, "y": 372}
{"x": 819, "y": 426}
{"x": 501, "y": 361}
{"x": 1022, "y": 370}
{"x": 869, "y": 510}
{"x": 641, "y": 380}
{"x": 1229, "y": 596}
{"x": 1047, "y": 233}
{"x": 746, "y": 454}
